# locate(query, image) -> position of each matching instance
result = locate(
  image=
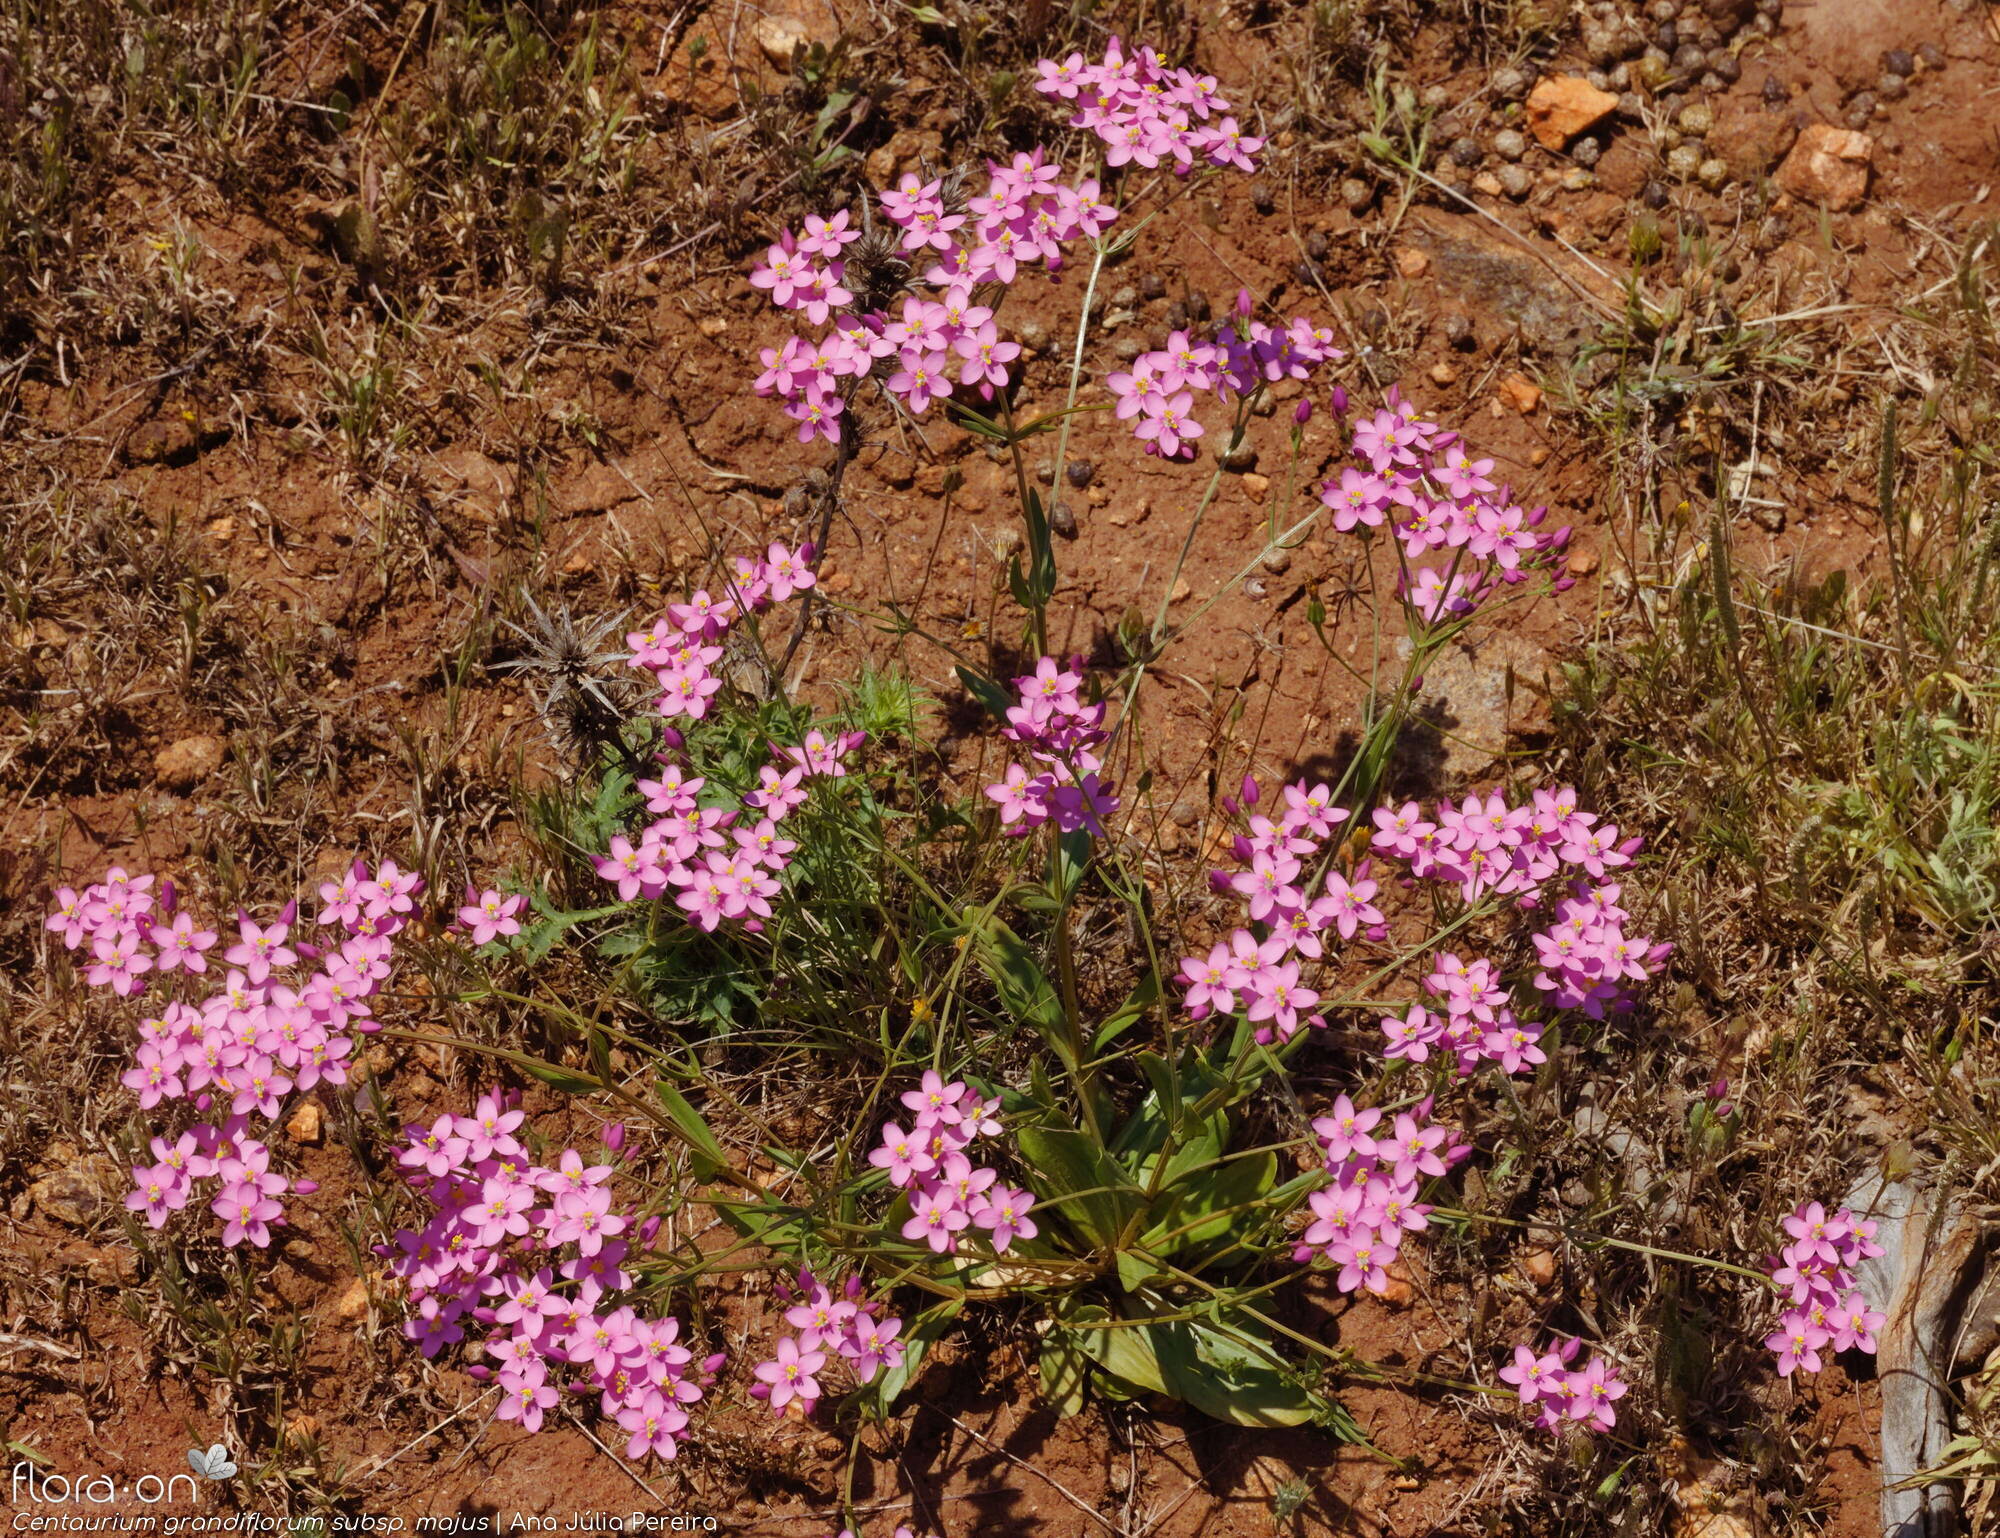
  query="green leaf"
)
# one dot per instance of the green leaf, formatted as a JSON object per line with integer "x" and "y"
{"x": 708, "y": 1155}
{"x": 1068, "y": 1162}
{"x": 1136, "y": 1270}
{"x": 1204, "y": 1367}
{"x": 1218, "y": 1190}
{"x": 1128, "y": 1014}
{"x": 1024, "y": 987}
{"x": 558, "y": 1077}
{"x": 1065, "y": 1370}
{"x": 986, "y": 691}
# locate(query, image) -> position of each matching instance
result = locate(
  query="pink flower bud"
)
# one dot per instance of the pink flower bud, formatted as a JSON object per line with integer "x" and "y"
{"x": 305, "y": 1187}
{"x": 1251, "y": 795}
{"x": 291, "y": 911}
{"x": 1338, "y": 401}
{"x": 1563, "y": 584}
{"x": 614, "y": 1136}
{"x": 1245, "y": 305}
{"x": 648, "y": 1231}
{"x": 1302, "y": 413}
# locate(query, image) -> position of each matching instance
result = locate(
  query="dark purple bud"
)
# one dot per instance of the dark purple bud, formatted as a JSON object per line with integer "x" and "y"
{"x": 1417, "y": 682}
{"x": 1251, "y": 794}
{"x": 614, "y": 1136}
{"x": 672, "y": 738}
{"x": 1219, "y": 881}
{"x": 1244, "y": 850}
{"x": 1229, "y": 807}
{"x": 1338, "y": 401}
{"x": 1563, "y": 584}
{"x": 1303, "y": 412}
{"x": 291, "y": 912}
{"x": 648, "y": 1232}
{"x": 168, "y": 896}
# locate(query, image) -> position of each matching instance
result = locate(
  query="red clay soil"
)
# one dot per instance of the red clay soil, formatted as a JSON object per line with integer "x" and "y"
{"x": 687, "y": 459}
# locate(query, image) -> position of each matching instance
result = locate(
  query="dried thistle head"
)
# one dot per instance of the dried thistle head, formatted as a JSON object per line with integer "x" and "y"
{"x": 877, "y": 270}
{"x": 566, "y": 665}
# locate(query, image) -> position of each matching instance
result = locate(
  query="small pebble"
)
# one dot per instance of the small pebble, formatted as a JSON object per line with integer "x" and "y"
{"x": 1892, "y": 87}
{"x": 1510, "y": 144}
{"x": 1177, "y": 316}
{"x": 1725, "y": 66}
{"x": 1697, "y": 120}
{"x": 1466, "y": 151}
{"x": 1510, "y": 82}
{"x": 1655, "y": 195}
{"x": 1316, "y": 245}
{"x": 1631, "y": 106}
{"x": 1585, "y": 151}
{"x": 1770, "y": 7}
{"x": 1458, "y": 332}
{"x": 1712, "y": 174}
{"x": 1436, "y": 97}
{"x": 1597, "y": 80}
{"x": 1197, "y": 305}
{"x": 1045, "y": 472}
{"x": 1356, "y": 194}
{"x": 1692, "y": 225}
{"x": 1668, "y": 37}
{"x": 1241, "y": 459}
{"x": 1033, "y": 335}
{"x": 1683, "y": 161}
{"x": 1690, "y": 59}
{"x": 1255, "y": 587}
{"x": 1578, "y": 179}
{"x": 1516, "y": 182}
{"x": 1775, "y": 92}
{"x": 1931, "y": 55}
{"x": 1860, "y": 110}
{"x": 1152, "y": 286}
{"x": 1621, "y": 76}
{"x": 1277, "y": 562}
{"x": 1127, "y": 348}
{"x": 1899, "y": 61}
{"x": 1309, "y": 273}
{"x": 1062, "y": 520}
{"x": 1653, "y": 67}
{"x": 1261, "y": 199}
{"x": 1080, "y": 473}
{"x": 1762, "y": 25}
{"x": 1663, "y": 10}
{"x": 1125, "y": 298}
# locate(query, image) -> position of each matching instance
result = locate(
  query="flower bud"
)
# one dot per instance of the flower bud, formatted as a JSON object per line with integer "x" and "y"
{"x": 305, "y": 1187}
{"x": 1338, "y": 401}
{"x": 1251, "y": 794}
{"x": 614, "y": 1136}
{"x": 1302, "y": 413}
{"x": 649, "y": 1231}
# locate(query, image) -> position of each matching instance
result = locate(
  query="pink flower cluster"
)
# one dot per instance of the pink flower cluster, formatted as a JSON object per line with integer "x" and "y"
{"x": 1436, "y": 498}
{"x": 1815, "y": 1271}
{"x": 681, "y": 648}
{"x": 1359, "y": 1221}
{"x": 720, "y": 862}
{"x": 1062, "y": 733}
{"x": 247, "y": 1199}
{"x": 1484, "y": 846}
{"x": 250, "y": 1043}
{"x": 536, "y": 1257}
{"x": 852, "y": 1327}
{"x": 1156, "y": 393}
{"x": 1262, "y": 974}
{"x": 1148, "y": 114}
{"x": 1559, "y": 1393}
{"x": 947, "y": 1192}
{"x": 1027, "y": 214}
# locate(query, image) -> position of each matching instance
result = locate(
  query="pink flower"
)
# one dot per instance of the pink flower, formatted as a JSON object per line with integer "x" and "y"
{"x": 790, "y": 1375}
{"x": 1344, "y": 1133}
{"x": 1005, "y": 1216}
{"x": 490, "y": 916}
{"x": 936, "y": 1219}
